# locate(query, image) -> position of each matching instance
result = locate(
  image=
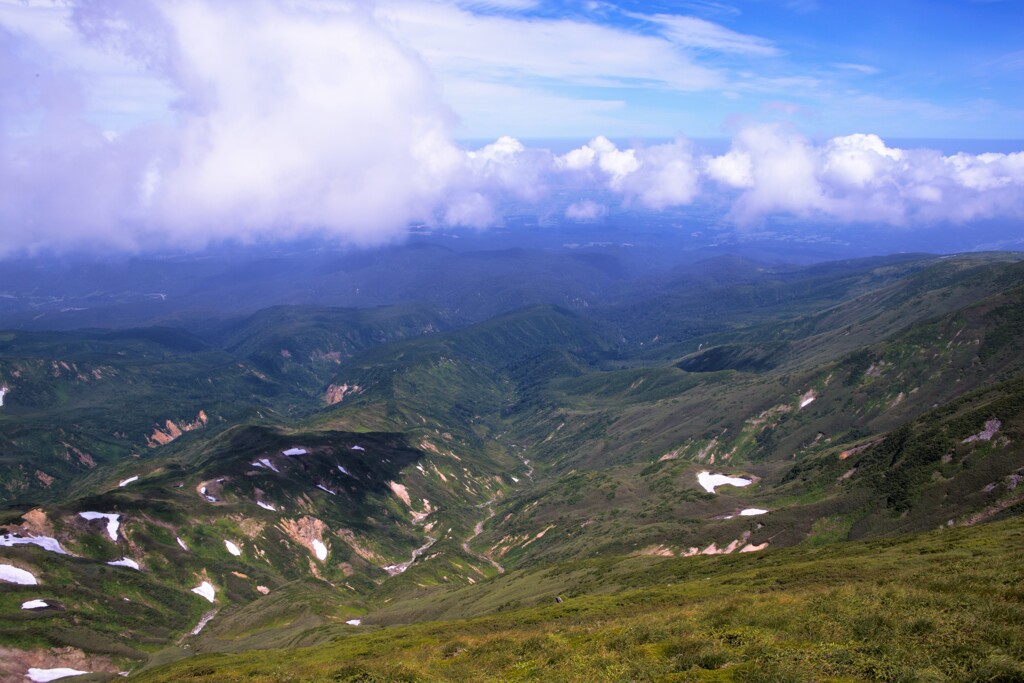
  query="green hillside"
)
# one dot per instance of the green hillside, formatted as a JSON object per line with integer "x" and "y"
{"x": 319, "y": 466}
{"x": 945, "y": 606}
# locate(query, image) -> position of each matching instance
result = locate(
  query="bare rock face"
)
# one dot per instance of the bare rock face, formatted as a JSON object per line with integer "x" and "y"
{"x": 306, "y": 531}
{"x": 336, "y": 392}
{"x": 14, "y": 663}
{"x": 36, "y": 523}
{"x": 172, "y": 430}
{"x": 990, "y": 430}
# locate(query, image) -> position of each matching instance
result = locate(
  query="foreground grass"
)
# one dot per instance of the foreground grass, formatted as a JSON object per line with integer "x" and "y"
{"x": 947, "y": 605}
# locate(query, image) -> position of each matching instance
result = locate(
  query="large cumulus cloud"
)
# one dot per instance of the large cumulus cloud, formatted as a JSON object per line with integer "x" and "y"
{"x": 858, "y": 178}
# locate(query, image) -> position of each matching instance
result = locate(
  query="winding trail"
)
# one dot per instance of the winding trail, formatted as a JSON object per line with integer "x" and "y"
{"x": 479, "y": 529}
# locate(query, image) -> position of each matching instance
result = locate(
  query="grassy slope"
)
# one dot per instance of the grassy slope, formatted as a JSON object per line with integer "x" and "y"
{"x": 942, "y": 606}
{"x": 599, "y": 445}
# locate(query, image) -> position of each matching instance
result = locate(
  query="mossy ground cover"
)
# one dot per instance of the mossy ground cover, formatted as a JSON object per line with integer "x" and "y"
{"x": 947, "y": 605}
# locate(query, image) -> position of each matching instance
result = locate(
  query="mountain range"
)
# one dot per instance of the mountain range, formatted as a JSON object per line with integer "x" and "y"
{"x": 545, "y": 463}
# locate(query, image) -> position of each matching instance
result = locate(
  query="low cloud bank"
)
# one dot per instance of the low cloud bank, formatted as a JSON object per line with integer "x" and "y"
{"x": 298, "y": 119}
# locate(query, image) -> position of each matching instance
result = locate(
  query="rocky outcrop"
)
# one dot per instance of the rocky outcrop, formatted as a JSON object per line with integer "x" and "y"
{"x": 336, "y": 392}
{"x": 172, "y": 430}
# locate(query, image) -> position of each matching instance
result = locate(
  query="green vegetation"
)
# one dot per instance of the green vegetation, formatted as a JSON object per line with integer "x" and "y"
{"x": 943, "y": 606}
{"x": 458, "y": 479}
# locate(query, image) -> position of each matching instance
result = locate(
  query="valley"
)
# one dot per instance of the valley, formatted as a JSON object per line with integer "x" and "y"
{"x": 675, "y": 482}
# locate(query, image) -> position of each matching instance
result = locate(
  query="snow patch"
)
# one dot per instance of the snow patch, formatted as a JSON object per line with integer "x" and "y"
{"x": 294, "y": 451}
{"x": 324, "y": 488}
{"x": 129, "y": 480}
{"x": 751, "y": 512}
{"x": 358, "y": 448}
{"x": 34, "y": 604}
{"x": 112, "y": 521}
{"x": 807, "y": 399}
{"x": 320, "y": 549}
{"x": 344, "y": 471}
{"x": 266, "y": 506}
{"x": 206, "y": 590}
{"x": 710, "y": 481}
{"x": 182, "y": 544}
{"x": 203, "y": 622}
{"x": 232, "y": 548}
{"x": 354, "y": 622}
{"x": 44, "y": 542}
{"x": 43, "y": 675}
{"x": 3, "y": 392}
{"x": 265, "y": 462}
{"x": 12, "y": 574}
{"x": 125, "y": 562}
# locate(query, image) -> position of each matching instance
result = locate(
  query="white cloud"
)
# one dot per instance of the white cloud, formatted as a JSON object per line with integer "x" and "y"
{"x": 305, "y": 120}
{"x": 497, "y": 48}
{"x": 656, "y": 177}
{"x": 692, "y": 32}
{"x": 735, "y": 168}
{"x": 858, "y": 178}
{"x": 296, "y": 118}
{"x": 585, "y": 211}
{"x": 865, "y": 69}
{"x": 470, "y": 210}
{"x": 782, "y": 174}
{"x": 858, "y": 160}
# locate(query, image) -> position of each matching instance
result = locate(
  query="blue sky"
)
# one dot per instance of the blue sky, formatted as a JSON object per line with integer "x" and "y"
{"x": 135, "y": 124}
{"x": 699, "y": 68}
{"x": 937, "y": 69}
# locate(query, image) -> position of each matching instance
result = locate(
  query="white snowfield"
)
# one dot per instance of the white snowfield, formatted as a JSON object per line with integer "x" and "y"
{"x": 320, "y": 549}
{"x": 265, "y": 462}
{"x": 182, "y": 544}
{"x": 206, "y": 590}
{"x": 44, "y": 542}
{"x": 3, "y": 392}
{"x": 750, "y": 512}
{"x": 34, "y": 604}
{"x": 125, "y": 562}
{"x": 354, "y": 622}
{"x": 266, "y": 506}
{"x": 357, "y": 448}
{"x": 43, "y": 675}
{"x": 710, "y": 481}
{"x": 232, "y": 548}
{"x": 128, "y": 480}
{"x": 294, "y": 451}
{"x": 324, "y": 488}
{"x": 12, "y": 574}
{"x": 112, "y": 521}
{"x": 342, "y": 469}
